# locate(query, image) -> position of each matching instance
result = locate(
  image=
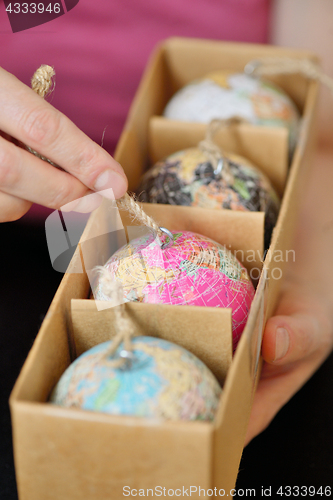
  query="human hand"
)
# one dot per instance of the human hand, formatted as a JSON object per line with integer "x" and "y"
{"x": 26, "y": 179}
{"x": 296, "y": 342}
{"x": 305, "y": 309}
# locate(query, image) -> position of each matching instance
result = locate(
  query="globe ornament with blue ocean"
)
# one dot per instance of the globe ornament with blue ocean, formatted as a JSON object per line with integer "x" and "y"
{"x": 163, "y": 381}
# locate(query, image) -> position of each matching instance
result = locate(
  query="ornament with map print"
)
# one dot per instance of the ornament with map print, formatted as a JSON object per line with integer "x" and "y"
{"x": 187, "y": 178}
{"x": 194, "y": 270}
{"x": 225, "y": 94}
{"x": 164, "y": 381}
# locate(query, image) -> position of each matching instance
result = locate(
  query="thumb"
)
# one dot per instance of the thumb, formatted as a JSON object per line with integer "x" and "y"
{"x": 291, "y": 338}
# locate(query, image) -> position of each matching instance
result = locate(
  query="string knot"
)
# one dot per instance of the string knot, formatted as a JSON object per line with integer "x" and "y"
{"x": 41, "y": 81}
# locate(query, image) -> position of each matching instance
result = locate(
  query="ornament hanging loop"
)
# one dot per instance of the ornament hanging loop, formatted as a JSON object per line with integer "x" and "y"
{"x": 127, "y": 202}
{"x": 128, "y": 357}
{"x": 287, "y": 66}
{"x": 171, "y": 237}
{"x": 251, "y": 67}
{"x": 214, "y": 153}
{"x": 123, "y": 325}
{"x": 219, "y": 168}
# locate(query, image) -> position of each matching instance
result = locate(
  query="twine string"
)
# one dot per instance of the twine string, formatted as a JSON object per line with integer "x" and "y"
{"x": 43, "y": 84}
{"x": 128, "y": 203}
{"x": 124, "y": 327}
{"x": 216, "y": 154}
{"x": 284, "y": 65}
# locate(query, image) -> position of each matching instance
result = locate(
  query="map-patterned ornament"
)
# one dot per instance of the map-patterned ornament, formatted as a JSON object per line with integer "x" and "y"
{"x": 225, "y": 94}
{"x": 165, "y": 381}
{"x": 187, "y": 178}
{"x": 194, "y": 270}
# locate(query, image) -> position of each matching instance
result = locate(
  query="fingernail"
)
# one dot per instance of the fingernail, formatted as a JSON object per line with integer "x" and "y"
{"x": 111, "y": 179}
{"x": 281, "y": 343}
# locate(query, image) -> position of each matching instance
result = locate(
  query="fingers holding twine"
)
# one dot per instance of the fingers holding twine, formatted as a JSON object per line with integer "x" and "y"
{"x": 43, "y": 84}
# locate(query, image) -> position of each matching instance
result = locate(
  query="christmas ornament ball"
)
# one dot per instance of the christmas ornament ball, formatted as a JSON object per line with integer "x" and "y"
{"x": 193, "y": 270}
{"x": 187, "y": 178}
{"x": 226, "y": 94}
{"x": 165, "y": 381}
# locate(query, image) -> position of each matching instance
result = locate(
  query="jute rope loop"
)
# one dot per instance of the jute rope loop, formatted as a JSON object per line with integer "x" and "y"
{"x": 214, "y": 153}
{"x": 284, "y": 65}
{"x": 124, "y": 327}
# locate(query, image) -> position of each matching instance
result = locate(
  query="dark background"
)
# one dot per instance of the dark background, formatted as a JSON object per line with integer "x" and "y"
{"x": 296, "y": 450}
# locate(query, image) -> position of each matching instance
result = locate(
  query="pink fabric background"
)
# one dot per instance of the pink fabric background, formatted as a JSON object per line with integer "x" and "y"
{"x": 100, "y": 48}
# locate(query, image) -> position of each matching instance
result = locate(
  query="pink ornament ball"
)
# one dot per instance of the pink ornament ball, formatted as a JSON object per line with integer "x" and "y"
{"x": 192, "y": 270}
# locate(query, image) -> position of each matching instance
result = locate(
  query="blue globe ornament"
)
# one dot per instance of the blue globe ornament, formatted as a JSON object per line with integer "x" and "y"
{"x": 164, "y": 381}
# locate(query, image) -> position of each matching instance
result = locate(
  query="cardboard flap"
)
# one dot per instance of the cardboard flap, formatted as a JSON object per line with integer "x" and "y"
{"x": 204, "y": 331}
{"x": 131, "y": 154}
{"x": 265, "y": 147}
{"x": 191, "y": 58}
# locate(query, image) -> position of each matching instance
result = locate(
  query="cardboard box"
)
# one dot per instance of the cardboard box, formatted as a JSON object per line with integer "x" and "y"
{"x": 71, "y": 454}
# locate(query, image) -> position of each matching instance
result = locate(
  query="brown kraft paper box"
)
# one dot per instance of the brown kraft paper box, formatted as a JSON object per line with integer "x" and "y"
{"x": 70, "y": 454}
